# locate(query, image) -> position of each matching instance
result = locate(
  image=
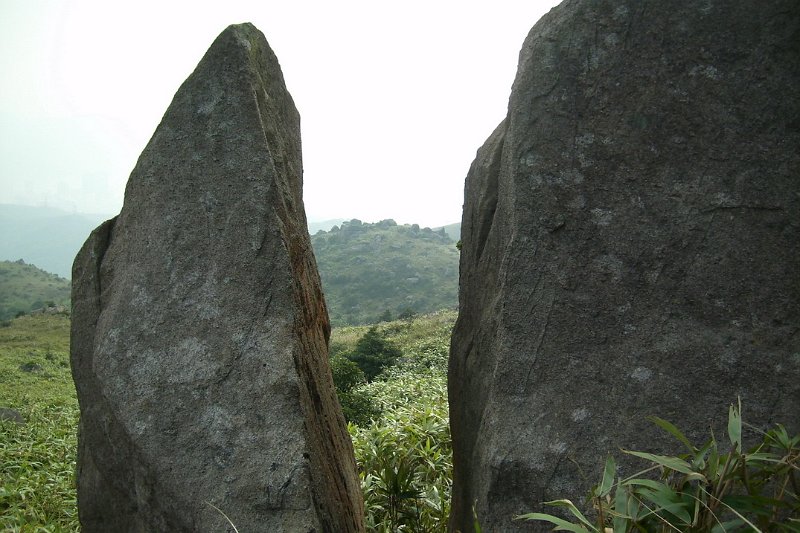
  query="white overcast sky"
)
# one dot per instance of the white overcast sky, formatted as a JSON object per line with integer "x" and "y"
{"x": 395, "y": 97}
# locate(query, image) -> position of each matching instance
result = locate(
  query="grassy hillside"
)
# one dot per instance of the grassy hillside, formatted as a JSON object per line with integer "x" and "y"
{"x": 373, "y": 272}
{"x": 24, "y": 288}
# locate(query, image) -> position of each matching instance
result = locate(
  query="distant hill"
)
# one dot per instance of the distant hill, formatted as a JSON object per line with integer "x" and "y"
{"x": 44, "y": 236}
{"x": 375, "y": 271}
{"x": 24, "y": 288}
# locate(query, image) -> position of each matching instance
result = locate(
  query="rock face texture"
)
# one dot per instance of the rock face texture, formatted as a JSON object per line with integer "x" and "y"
{"x": 631, "y": 247}
{"x": 199, "y": 333}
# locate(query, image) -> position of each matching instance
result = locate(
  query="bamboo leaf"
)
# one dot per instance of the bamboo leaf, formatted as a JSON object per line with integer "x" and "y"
{"x": 723, "y": 527}
{"x": 672, "y": 430}
{"x": 667, "y": 500}
{"x": 674, "y": 463}
{"x": 758, "y": 505}
{"x": 621, "y": 515}
{"x": 696, "y": 476}
{"x": 608, "y": 477}
{"x": 735, "y": 426}
{"x": 560, "y": 523}
{"x": 572, "y": 509}
{"x": 649, "y": 483}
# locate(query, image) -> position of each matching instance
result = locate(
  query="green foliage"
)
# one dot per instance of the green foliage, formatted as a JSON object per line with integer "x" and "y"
{"x": 419, "y": 343}
{"x": 405, "y": 457}
{"x": 357, "y": 406}
{"x": 34, "y": 362}
{"x": 429, "y": 333}
{"x": 373, "y": 352}
{"x": 37, "y": 459}
{"x": 368, "y": 270}
{"x": 699, "y": 491}
{"x": 24, "y": 288}
{"x": 346, "y": 374}
{"x": 407, "y": 314}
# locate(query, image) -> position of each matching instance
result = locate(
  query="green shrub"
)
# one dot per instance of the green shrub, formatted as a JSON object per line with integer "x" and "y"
{"x": 699, "y": 491}
{"x": 357, "y": 406}
{"x": 373, "y": 352}
{"x": 346, "y": 374}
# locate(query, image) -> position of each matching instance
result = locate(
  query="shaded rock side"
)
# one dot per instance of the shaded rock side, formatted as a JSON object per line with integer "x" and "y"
{"x": 631, "y": 247}
{"x": 200, "y": 333}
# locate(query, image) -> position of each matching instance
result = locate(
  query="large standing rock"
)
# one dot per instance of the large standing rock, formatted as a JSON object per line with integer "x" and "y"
{"x": 631, "y": 247}
{"x": 199, "y": 336}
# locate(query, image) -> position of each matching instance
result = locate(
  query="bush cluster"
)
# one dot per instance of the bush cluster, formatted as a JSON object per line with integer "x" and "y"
{"x": 405, "y": 456}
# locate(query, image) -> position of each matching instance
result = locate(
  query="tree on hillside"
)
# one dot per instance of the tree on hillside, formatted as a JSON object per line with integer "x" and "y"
{"x": 373, "y": 353}
{"x": 357, "y": 405}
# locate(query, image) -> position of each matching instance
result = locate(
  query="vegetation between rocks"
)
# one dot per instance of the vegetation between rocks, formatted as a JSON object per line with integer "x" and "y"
{"x": 399, "y": 420}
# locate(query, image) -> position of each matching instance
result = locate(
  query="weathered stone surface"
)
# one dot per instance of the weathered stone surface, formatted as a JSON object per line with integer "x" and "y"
{"x": 199, "y": 334}
{"x": 631, "y": 247}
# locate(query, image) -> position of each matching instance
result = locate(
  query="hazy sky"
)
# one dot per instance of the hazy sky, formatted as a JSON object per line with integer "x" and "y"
{"x": 395, "y": 97}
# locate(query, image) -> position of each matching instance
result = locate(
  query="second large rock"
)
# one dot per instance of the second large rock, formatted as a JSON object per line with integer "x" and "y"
{"x": 630, "y": 248}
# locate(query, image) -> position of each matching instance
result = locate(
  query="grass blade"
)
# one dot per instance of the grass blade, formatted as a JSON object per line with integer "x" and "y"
{"x": 223, "y": 515}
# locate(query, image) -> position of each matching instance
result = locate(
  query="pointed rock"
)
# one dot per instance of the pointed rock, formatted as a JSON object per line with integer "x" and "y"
{"x": 200, "y": 333}
{"x": 630, "y": 248}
